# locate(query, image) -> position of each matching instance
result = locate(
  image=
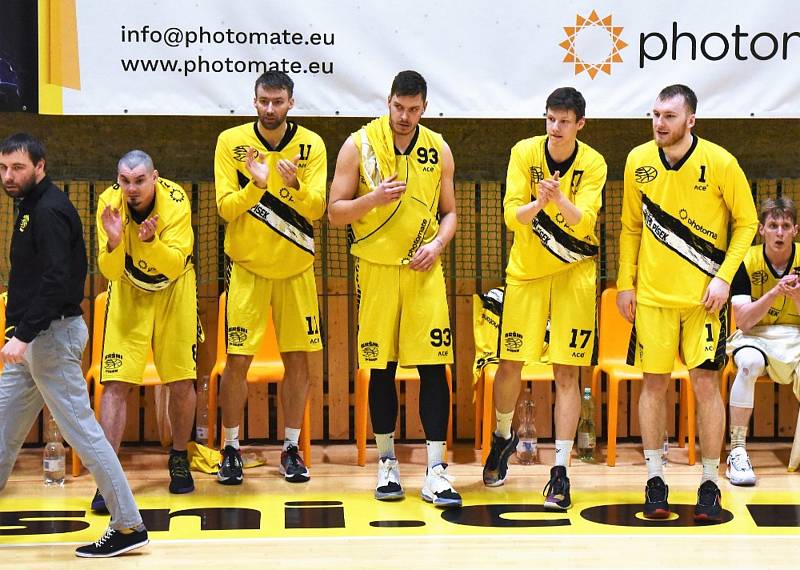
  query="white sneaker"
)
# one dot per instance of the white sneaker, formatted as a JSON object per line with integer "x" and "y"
{"x": 438, "y": 490}
{"x": 740, "y": 471}
{"x": 388, "y": 487}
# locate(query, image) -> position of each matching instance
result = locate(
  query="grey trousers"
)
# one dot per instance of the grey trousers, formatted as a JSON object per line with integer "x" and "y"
{"x": 51, "y": 374}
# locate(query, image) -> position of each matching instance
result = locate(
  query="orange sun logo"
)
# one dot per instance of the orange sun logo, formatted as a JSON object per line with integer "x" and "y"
{"x": 599, "y": 42}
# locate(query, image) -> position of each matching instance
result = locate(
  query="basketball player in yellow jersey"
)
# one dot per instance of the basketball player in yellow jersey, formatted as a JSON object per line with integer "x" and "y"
{"x": 394, "y": 186}
{"x": 270, "y": 183}
{"x": 145, "y": 241}
{"x": 675, "y": 269}
{"x": 553, "y": 193}
{"x": 765, "y": 295}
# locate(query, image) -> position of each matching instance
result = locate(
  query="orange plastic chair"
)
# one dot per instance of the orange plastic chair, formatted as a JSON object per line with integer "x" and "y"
{"x": 267, "y": 366}
{"x": 612, "y": 352}
{"x": 150, "y": 376}
{"x": 362, "y": 406}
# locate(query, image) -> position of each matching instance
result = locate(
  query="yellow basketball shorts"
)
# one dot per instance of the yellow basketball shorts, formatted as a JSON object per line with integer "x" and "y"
{"x": 165, "y": 320}
{"x": 294, "y": 310}
{"x": 402, "y": 316}
{"x": 658, "y": 333}
{"x": 569, "y": 300}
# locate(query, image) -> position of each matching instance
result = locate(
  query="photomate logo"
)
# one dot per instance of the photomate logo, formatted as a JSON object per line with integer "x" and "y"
{"x": 593, "y": 44}
{"x": 717, "y": 45}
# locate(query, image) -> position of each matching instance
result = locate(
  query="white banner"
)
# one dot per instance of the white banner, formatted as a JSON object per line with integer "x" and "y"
{"x": 201, "y": 57}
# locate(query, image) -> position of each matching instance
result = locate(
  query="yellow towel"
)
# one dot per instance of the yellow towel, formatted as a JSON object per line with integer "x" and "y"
{"x": 377, "y": 150}
{"x": 207, "y": 460}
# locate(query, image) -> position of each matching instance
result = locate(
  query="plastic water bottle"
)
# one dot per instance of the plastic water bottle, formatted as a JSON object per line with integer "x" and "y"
{"x": 586, "y": 431}
{"x": 665, "y": 449}
{"x": 201, "y": 429}
{"x": 527, "y": 448}
{"x": 54, "y": 455}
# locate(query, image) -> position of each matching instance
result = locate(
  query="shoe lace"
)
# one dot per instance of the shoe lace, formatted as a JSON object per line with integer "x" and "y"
{"x": 442, "y": 479}
{"x": 106, "y": 536}
{"x": 708, "y": 495}
{"x": 741, "y": 462}
{"x": 555, "y": 486}
{"x": 656, "y": 493}
{"x": 293, "y": 456}
{"x": 178, "y": 467}
{"x": 493, "y": 460}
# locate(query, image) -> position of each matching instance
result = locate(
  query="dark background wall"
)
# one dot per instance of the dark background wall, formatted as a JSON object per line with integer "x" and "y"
{"x": 87, "y": 147}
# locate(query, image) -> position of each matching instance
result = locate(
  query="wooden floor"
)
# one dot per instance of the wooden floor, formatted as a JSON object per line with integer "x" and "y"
{"x": 333, "y": 522}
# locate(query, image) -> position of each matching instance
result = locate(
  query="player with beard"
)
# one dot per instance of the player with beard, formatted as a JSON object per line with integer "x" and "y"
{"x": 394, "y": 187}
{"x": 270, "y": 184}
{"x": 145, "y": 242}
{"x": 42, "y": 358}
{"x": 676, "y": 264}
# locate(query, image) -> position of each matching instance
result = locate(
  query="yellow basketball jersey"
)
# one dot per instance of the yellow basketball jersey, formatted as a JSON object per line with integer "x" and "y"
{"x": 152, "y": 265}
{"x": 756, "y": 276}
{"x": 548, "y": 244}
{"x": 392, "y": 233}
{"x": 270, "y": 232}
{"x": 675, "y": 219}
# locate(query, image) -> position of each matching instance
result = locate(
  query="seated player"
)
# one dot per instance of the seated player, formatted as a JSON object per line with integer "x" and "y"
{"x": 765, "y": 295}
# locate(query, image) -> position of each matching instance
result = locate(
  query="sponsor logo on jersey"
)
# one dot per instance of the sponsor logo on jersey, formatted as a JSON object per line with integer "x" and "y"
{"x": 369, "y": 351}
{"x": 23, "y": 222}
{"x": 513, "y": 341}
{"x": 684, "y": 215}
{"x": 645, "y": 174}
{"x": 240, "y": 153}
{"x": 759, "y": 277}
{"x": 176, "y": 194}
{"x": 237, "y": 336}
{"x": 599, "y": 42}
{"x": 112, "y": 362}
{"x": 537, "y": 174}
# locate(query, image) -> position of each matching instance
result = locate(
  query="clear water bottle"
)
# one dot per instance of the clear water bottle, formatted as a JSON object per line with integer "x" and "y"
{"x": 665, "y": 449}
{"x": 55, "y": 456}
{"x": 201, "y": 430}
{"x": 586, "y": 432}
{"x": 527, "y": 448}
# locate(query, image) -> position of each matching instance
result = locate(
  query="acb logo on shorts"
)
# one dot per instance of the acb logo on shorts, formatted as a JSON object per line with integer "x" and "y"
{"x": 645, "y": 174}
{"x": 237, "y": 336}
{"x": 112, "y": 362}
{"x": 513, "y": 341}
{"x": 369, "y": 351}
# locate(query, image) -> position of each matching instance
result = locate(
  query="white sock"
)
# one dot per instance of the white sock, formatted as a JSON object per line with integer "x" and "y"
{"x": 563, "y": 451}
{"x": 385, "y": 443}
{"x": 710, "y": 470}
{"x": 435, "y": 453}
{"x": 231, "y": 436}
{"x": 655, "y": 465}
{"x": 290, "y": 437}
{"x": 503, "y": 424}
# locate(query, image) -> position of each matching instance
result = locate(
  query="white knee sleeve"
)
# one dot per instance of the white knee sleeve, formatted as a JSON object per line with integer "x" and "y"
{"x": 751, "y": 365}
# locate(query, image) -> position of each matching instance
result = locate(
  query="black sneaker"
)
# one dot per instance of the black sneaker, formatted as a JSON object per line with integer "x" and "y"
{"x": 113, "y": 543}
{"x": 180, "y": 479}
{"x": 292, "y": 466}
{"x": 708, "y": 507}
{"x": 557, "y": 490}
{"x": 230, "y": 468}
{"x": 496, "y": 468}
{"x": 655, "y": 499}
{"x": 99, "y": 504}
